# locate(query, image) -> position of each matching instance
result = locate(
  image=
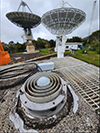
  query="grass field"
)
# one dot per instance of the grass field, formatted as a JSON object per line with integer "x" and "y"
{"x": 18, "y": 53}
{"x": 46, "y": 52}
{"x": 90, "y": 57}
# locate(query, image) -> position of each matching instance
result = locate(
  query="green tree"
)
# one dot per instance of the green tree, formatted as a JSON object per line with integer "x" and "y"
{"x": 94, "y": 36}
{"x": 5, "y": 46}
{"x": 95, "y": 45}
{"x": 47, "y": 45}
{"x": 11, "y": 42}
{"x": 34, "y": 43}
{"x": 52, "y": 43}
{"x": 40, "y": 43}
{"x": 75, "y": 39}
{"x": 84, "y": 41}
{"x": 11, "y": 48}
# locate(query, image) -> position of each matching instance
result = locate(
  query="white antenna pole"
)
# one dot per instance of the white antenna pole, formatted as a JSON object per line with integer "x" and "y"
{"x": 94, "y": 5}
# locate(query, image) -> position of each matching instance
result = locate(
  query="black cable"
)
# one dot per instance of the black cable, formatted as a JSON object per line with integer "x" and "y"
{"x": 14, "y": 75}
{"x": 18, "y": 82}
{"x": 11, "y": 71}
{"x": 7, "y": 70}
{"x": 18, "y": 66}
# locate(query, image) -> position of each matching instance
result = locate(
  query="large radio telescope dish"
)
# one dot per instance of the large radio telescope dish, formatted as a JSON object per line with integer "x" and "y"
{"x": 63, "y": 20}
{"x": 24, "y": 19}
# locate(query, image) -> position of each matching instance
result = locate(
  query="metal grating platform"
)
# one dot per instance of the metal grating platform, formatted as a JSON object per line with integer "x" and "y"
{"x": 85, "y": 80}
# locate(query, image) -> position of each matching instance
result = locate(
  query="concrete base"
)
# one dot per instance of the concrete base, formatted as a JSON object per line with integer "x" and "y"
{"x": 30, "y": 47}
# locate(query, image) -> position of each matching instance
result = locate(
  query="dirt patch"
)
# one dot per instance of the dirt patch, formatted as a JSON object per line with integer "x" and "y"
{"x": 94, "y": 56}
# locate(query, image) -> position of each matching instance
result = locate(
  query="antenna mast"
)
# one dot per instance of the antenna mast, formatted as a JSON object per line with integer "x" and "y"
{"x": 94, "y": 5}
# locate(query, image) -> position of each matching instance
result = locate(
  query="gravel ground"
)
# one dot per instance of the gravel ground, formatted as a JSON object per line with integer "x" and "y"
{"x": 84, "y": 121}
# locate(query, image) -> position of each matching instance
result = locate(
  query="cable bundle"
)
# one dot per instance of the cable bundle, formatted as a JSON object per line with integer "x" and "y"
{"x": 18, "y": 70}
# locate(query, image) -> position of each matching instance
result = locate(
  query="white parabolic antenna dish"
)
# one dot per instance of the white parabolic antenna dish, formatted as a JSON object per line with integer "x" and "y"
{"x": 62, "y": 21}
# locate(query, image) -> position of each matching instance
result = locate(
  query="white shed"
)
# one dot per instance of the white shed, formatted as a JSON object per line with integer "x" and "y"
{"x": 73, "y": 45}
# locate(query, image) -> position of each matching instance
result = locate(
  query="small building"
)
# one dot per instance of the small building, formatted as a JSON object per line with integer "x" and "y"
{"x": 73, "y": 45}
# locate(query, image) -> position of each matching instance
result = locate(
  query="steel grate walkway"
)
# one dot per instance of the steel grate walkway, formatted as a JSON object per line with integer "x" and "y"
{"x": 85, "y": 80}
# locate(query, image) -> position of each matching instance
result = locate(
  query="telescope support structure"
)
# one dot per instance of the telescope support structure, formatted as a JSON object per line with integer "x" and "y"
{"x": 60, "y": 45}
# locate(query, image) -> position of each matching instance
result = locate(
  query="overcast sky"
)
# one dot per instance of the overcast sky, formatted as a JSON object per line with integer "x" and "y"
{"x": 9, "y": 31}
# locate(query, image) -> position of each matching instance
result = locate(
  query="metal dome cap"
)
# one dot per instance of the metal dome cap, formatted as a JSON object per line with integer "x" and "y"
{"x": 24, "y": 19}
{"x": 44, "y": 94}
{"x": 63, "y": 20}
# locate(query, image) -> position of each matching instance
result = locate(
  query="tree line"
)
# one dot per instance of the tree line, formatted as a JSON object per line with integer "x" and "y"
{"x": 93, "y": 42}
{"x": 40, "y": 43}
{"x": 12, "y": 47}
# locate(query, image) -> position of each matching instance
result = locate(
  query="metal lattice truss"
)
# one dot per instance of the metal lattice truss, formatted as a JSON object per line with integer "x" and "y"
{"x": 24, "y": 19}
{"x": 63, "y": 20}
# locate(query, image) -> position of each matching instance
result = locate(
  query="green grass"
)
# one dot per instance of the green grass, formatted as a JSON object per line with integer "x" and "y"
{"x": 67, "y": 53}
{"x": 46, "y": 52}
{"x": 91, "y": 57}
{"x": 18, "y": 53}
{"x": 91, "y": 52}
